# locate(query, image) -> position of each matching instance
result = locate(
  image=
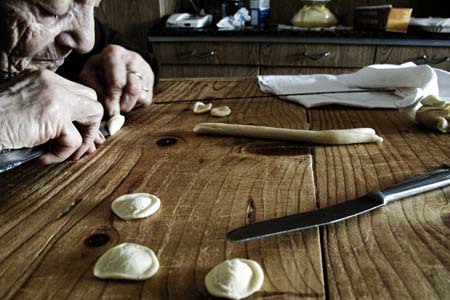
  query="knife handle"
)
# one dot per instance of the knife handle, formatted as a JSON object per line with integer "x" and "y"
{"x": 420, "y": 184}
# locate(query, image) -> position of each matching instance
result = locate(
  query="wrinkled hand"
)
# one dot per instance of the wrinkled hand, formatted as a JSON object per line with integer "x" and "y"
{"x": 41, "y": 106}
{"x": 122, "y": 79}
{"x": 434, "y": 113}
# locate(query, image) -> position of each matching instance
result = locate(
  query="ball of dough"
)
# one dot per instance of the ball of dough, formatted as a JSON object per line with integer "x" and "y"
{"x": 115, "y": 124}
{"x": 221, "y": 111}
{"x": 127, "y": 261}
{"x": 135, "y": 206}
{"x": 235, "y": 279}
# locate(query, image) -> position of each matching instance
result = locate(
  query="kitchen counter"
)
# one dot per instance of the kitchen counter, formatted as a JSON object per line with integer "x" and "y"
{"x": 56, "y": 221}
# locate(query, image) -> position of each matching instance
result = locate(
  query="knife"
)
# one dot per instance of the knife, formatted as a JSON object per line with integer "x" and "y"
{"x": 373, "y": 200}
{"x": 12, "y": 158}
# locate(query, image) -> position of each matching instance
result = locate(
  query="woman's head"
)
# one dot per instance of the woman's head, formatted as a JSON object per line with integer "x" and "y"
{"x": 39, "y": 34}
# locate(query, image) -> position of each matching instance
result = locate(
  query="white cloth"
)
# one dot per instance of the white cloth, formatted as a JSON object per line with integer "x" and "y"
{"x": 410, "y": 81}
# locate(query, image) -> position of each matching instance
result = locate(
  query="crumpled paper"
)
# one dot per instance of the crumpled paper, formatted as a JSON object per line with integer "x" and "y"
{"x": 444, "y": 22}
{"x": 237, "y": 21}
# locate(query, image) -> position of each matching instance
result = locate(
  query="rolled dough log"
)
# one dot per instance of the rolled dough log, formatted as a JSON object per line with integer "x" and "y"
{"x": 325, "y": 137}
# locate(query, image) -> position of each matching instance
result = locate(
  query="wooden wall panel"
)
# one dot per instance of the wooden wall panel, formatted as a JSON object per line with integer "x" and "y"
{"x": 132, "y": 18}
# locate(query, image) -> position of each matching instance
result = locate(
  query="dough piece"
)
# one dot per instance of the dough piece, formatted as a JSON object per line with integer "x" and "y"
{"x": 325, "y": 137}
{"x": 201, "y": 108}
{"x": 235, "y": 279}
{"x": 115, "y": 124}
{"x": 221, "y": 111}
{"x": 135, "y": 206}
{"x": 434, "y": 113}
{"x": 127, "y": 261}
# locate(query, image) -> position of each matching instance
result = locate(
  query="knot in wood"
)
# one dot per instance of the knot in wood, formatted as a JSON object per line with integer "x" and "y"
{"x": 97, "y": 240}
{"x": 166, "y": 141}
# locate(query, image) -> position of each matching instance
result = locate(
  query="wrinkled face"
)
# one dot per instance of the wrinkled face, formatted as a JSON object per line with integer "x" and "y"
{"x": 37, "y": 34}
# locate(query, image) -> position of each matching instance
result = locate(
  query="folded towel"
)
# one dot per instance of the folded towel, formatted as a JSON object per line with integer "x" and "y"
{"x": 411, "y": 82}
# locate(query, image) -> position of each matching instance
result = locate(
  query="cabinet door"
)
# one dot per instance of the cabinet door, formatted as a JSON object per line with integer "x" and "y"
{"x": 438, "y": 57}
{"x": 316, "y": 55}
{"x": 207, "y": 53}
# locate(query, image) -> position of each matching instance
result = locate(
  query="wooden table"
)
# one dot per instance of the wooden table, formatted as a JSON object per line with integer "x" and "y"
{"x": 56, "y": 221}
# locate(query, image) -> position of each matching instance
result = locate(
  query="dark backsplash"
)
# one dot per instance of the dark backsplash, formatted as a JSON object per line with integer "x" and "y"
{"x": 283, "y": 10}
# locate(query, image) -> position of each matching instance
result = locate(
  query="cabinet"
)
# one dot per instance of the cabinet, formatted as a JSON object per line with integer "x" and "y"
{"x": 207, "y": 53}
{"x": 219, "y": 56}
{"x": 438, "y": 57}
{"x": 315, "y": 55}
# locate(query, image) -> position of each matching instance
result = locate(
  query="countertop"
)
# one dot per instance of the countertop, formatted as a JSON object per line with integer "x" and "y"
{"x": 56, "y": 221}
{"x": 414, "y": 37}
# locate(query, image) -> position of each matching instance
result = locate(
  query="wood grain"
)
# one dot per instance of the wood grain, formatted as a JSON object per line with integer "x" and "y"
{"x": 399, "y": 251}
{"x": 201, "y": 88}
{"x": 208, "y": 185}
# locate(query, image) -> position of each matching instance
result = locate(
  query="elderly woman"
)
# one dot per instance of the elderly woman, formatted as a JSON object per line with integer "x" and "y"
{"x": 97, "y": 71}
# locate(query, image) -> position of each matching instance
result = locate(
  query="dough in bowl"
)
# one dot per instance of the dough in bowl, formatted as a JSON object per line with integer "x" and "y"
{"x": 235, "y": 279}
{"x": 135, "y": 206}
{"x": 127, "y": 261}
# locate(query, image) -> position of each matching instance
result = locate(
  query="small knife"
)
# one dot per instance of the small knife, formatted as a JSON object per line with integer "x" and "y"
{"x": 10, "y": 159}
{"x": 423, "y": 183}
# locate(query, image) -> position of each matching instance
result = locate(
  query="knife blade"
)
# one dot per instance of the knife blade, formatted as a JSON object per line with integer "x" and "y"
{"x": 373, "y": 200}
{"x": 10, "y": 159}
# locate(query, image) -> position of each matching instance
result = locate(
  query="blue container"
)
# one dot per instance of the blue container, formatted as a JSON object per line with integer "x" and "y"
{"x": 260, "y": 11}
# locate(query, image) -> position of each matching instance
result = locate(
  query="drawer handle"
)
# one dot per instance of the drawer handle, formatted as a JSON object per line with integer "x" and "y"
{"x": 432, "y": 61}
{"x": 195, "y": 54}
{"x": 315, "y": 56}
